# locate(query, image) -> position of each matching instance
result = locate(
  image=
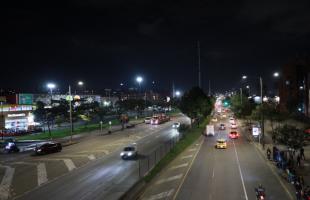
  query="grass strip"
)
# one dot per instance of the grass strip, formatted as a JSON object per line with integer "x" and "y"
{"x": 190, "y": 136}
{"x": 77, "y": 130}
{"x": 65, "y": 132}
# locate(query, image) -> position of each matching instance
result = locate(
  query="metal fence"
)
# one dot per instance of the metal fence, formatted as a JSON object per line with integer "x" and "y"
{"x": 148, "y": 162}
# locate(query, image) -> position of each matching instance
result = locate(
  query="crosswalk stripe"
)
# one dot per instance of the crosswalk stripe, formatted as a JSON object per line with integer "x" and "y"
{"x": 189, "y": 156}
{"x": 6, "y": 182}
{"x": 172, "y": 178}
{"x": 91, "y": 157}
{"x": 161, "y": 195}
{"x": 42, "y": 174}
{"x": 179, "y": 166}
{"x": 70, "y": 165}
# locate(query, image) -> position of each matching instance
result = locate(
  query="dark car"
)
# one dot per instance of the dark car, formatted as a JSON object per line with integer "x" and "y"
{"x": 46, "y": 148}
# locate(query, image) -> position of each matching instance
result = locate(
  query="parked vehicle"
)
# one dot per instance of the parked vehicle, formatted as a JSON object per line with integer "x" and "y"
{"x": 49, "y": 147}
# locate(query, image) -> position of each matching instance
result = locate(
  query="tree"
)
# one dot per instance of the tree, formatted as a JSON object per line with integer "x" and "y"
{"x": 196, "y": 104}
{"x": 242, "y": 108}
{"x": 44, "y": 115}
{"x": 290, "y": 136}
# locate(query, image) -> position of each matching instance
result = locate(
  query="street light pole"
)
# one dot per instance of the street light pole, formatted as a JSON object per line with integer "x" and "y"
{"x": 262, "y": 114}
{"x": 70, "y": 115}
{"x": 241, "y": 95}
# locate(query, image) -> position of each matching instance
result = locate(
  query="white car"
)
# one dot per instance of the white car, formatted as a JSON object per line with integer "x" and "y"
{"x": 129, "y": 152}
{"x": 147, "y": 120}
{"x": 214, "y": 119}
{"x": 231, "y": 120}
{"x": 233, "y": 126}
{"x": 176, "y": 125}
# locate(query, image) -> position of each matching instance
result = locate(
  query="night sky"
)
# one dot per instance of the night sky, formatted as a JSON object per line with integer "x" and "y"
{"x": 106, "y": 42}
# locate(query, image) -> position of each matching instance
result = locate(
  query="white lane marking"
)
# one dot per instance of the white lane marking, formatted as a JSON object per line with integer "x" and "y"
{"x": 162, "y": 195}
{"x": 42, "y": 174}
{"x": 157, "y": 136}
{"x": 91, "y": 157}
{"x": 213, "y": 173}
{"x": 240, "y": 172}
{"x": 172, "y": 178}
{"x": 188, "y": 169}
{"x": 179, "y": 166}
{"x": 185, "y": 157}
{"x": 6, "y": 182}
{"x": 96, "y": 151}
{"x": 70, "y": 165}
{"x": 193, "y": 149}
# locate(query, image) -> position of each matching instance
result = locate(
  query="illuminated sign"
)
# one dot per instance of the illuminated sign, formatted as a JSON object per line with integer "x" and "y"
{"x": 256, "y": 131}
{"x": 17, "y": 115}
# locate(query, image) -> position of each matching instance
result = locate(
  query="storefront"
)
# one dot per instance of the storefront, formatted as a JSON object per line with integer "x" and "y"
{"x": 17, "y": 117}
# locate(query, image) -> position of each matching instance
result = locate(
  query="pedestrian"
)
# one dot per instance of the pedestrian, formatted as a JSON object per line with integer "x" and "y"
{"x": 298, "y": 160}
{"x": 302, "y": 153}
{"x": 301, "y": 181}
{"x": 298, "y": 189}
{"x": 274, "y": 152}
{"x": 273, "y": 138}
{"x": 268, "y": 153}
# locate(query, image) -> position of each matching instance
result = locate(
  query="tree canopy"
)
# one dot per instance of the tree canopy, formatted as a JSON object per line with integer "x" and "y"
{"x": 195, "y": 103}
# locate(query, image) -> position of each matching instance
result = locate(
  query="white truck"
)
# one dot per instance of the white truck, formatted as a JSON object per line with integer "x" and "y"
{"x": 210, "y": 130}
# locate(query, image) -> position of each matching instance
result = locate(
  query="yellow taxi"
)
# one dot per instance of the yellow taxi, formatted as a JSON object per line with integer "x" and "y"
{"x": 221, "y": 144}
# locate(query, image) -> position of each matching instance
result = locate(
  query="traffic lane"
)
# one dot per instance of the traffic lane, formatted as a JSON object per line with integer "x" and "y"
{"x": 256, "y": 171}
{"x": 93, "y": 181}
{"x": 212, "y": 170}
{"x": 116, "y": 177}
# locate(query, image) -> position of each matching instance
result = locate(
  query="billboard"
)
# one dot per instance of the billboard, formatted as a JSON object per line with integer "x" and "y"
{"x": 25, "y": 99}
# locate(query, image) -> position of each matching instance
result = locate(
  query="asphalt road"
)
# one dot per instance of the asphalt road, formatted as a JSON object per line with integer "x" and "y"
{"x": 91, "y": 169}
{"x": 232, "y": 173}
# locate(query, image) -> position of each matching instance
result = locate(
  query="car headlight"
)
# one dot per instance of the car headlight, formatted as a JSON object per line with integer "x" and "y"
{"x": 122, "y": 153}
{"x": 39, "y": 150}
{"x": 130, "y": 154}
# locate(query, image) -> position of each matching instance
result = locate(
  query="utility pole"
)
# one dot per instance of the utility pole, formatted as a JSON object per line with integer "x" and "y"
{"x": 209, "y": 87}
{"x": 241, "y": 95}
{"x": 199, "y": 69}
{"x": 70, "y": 116}
{"x": 262, "y": 114}
{"x": 173, "y": 90}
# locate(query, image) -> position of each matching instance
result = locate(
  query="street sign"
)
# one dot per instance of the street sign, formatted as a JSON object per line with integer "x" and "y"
{"x": 256, "y": 131}
{"x": 69, "y": 98}
{"x": 25, "y": 99}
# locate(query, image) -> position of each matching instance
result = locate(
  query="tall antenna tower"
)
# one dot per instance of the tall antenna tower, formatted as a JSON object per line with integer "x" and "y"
{"x": 199, "y": 69}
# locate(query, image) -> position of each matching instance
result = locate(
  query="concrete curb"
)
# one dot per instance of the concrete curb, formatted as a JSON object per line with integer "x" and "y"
{"x": 134, "y": 192}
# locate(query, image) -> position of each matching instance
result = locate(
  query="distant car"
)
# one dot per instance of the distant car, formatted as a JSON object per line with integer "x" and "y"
{"x": 129, "y": 152}
{"x": 233, "y": 126}
{"x": 147, "y": 120}
{"x": 221, "y": 144}
{"x": 176, "y": 125}
{"x": 214, "y": 119}
{"x": 224, "y": 115}
{"x": 233, "y": 135}
{"x": 222, "y": 127}
{"x": 231, "y": 120}
{"x": 49, "y": 147}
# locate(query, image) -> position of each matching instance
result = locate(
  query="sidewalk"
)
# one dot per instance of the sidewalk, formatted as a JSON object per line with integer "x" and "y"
{"x": 303, "y": 170}
{"x": 105, "y": 131}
